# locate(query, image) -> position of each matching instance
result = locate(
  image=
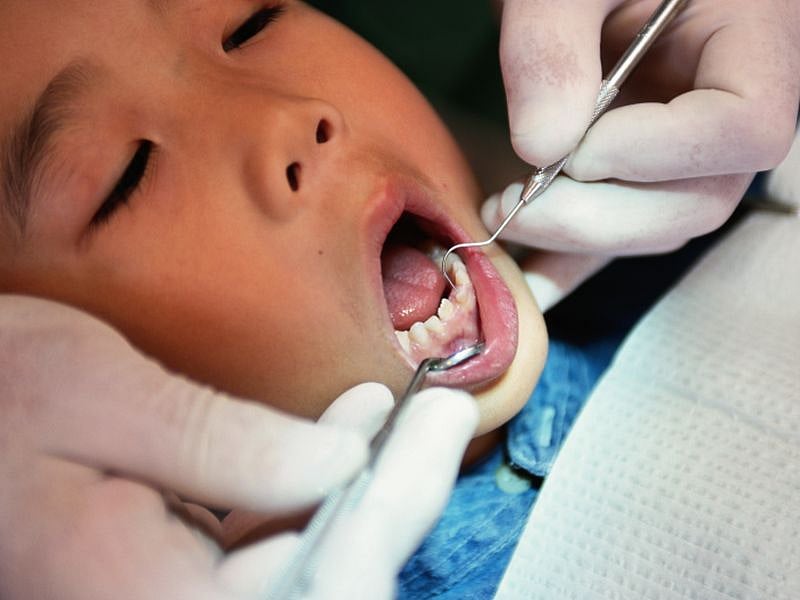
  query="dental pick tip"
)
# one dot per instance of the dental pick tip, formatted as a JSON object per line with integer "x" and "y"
{"x": 455, "y": 359}
{"x": 444, "y": 266}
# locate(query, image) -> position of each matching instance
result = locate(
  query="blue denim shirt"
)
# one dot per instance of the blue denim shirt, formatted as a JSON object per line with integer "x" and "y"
{"x": 468, "y": 550}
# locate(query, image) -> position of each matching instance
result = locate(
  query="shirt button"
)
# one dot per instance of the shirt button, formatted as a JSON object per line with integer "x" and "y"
{"x": 511, "y": 481}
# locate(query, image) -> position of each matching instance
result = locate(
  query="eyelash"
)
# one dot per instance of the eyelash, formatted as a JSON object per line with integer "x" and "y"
{"x": 257, "y": 22}
{"x": 127, "y": 184}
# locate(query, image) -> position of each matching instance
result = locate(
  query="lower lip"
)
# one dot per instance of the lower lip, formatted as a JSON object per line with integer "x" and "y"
{"x": 499, "y": 325}
{"x": 496, "y": 306}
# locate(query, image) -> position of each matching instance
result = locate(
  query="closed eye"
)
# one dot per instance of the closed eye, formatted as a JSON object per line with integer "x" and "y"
{"x": 127, "y": 184}
{"x": 257, "y": 22}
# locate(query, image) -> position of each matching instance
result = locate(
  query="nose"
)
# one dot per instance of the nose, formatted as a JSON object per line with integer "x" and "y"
{"x": 323, "y": 133}
{"x": 290, "y": 151}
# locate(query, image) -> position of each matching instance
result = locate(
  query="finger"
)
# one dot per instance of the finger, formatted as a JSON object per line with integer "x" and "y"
{"x": 783, "y": 183}
{"x": 205, "y": 521}
{"x": 359, "y": 560}
{"x": 104, "y": 405}
{"x": 226, "y": 452}
{"x": 119, "y": 540}
{"x": 252, "y": 571}
{"x": 199, "y": 519}
{"x": 553, "y": 275}
{"x": 740, "y": 118}
{"x": 615, "y": 218}
{"x": 411, "y": 484}
{"x": 550, "y": 55}
{"x": 363, "y": 408}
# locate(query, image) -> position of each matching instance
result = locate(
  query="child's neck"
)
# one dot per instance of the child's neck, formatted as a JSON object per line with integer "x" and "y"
{"x": 481, "y": 446}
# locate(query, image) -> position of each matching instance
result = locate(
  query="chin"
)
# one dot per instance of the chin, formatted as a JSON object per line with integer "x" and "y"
{"x": 501, "y": 399}
{"x": 408, "y": 233}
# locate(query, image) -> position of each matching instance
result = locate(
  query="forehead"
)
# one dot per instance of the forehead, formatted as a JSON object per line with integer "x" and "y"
{"x": 38, "y": 38}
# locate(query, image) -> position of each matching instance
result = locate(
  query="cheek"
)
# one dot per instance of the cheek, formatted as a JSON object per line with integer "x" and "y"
{"x": 408, "y": 125}
{"x": 254, "y": 320}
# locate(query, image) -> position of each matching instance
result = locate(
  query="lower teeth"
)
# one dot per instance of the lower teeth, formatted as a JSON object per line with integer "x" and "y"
{"x": 455, "y": 318}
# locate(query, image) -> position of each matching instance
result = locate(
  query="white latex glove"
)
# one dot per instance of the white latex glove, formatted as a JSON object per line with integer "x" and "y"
{"x": 91, "y": 431}
{"x": 783, "y": 184}
{"x": 713, "y": 101}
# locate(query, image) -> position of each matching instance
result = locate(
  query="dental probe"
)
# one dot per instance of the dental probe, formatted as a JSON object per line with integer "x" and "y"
{"x": 296, "y": 579}
{"x": 541, "y": 178}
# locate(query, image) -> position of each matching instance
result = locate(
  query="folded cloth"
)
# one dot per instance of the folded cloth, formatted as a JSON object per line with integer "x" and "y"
{"x": 681, "y": 477}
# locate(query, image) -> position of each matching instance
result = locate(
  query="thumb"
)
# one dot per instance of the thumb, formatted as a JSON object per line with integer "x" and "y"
{"x": 228, "y": 452}
{"x": 550, "y": 56}
{"x": 74, "y": 388}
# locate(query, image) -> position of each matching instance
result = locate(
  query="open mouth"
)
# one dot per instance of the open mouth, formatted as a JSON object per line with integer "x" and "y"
{"x": 429, "y": 317}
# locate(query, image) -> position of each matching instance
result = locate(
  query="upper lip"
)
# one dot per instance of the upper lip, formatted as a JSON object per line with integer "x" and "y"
{"x": 497, "y": 309}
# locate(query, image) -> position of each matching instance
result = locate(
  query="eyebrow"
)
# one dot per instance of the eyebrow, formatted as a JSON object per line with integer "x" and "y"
{"x": 27, "y": 147}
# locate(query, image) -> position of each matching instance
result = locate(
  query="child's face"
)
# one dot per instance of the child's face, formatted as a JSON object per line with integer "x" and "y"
{"x": 246, "y": 196}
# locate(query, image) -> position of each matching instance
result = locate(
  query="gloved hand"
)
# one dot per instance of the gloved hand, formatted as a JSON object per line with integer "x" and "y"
{"x": 712, "y": 102}
{"x": 96, "y": 441}
{"x": 783, "y": 183}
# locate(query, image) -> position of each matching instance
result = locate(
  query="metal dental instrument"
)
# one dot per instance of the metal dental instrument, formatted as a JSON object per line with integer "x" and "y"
{"x": 541, "y": 178}
{"x": 297, "y": 577}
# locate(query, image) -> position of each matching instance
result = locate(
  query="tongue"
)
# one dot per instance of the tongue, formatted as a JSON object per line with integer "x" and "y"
{"x": 412, "y": 283}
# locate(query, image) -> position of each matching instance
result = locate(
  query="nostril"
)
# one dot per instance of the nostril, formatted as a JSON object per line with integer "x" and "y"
{"x": 323, "y": 131}
{"x": 293, "y": 176}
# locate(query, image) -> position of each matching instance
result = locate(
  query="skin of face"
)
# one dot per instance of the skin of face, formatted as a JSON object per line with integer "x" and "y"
{"x": 215, "y": 265}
